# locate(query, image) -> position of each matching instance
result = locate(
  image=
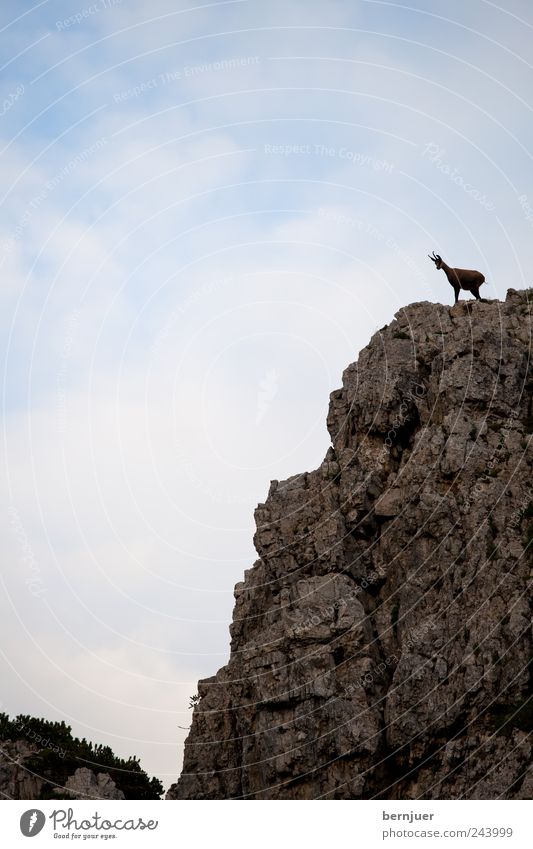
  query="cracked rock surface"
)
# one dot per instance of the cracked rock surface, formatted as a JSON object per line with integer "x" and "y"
{"x": 18, "y": 780}
{"x": 381, "y": 644}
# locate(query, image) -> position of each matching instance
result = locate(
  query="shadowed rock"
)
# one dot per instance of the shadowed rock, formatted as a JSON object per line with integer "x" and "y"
{"x": 381, "y": 643}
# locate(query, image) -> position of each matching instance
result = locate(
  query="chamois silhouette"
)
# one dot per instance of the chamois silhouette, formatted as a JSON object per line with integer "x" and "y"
{"x": 460, "y": 278}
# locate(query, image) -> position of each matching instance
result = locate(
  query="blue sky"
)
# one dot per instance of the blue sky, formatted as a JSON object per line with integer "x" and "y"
{"x": 207, "y": 210}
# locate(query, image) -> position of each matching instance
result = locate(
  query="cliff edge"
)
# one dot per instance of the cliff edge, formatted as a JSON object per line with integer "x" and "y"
{"x": 381, "y": 645}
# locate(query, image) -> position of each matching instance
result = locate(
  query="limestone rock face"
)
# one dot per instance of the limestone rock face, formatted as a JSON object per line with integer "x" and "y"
{"x": 18, "y": 780}
{"x": 85, "y": 784}
{"x": 381, "y": 643}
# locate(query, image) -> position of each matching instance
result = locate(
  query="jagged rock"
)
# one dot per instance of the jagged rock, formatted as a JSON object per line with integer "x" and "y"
{"x": 84, "y": 784}
{"x": 380, "y": 645}
{"x": 19, "y": 780}
{"x": 16, "y": 781}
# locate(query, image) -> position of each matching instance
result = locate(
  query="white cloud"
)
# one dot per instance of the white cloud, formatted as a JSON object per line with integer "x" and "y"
{"x": 196, "y": 299}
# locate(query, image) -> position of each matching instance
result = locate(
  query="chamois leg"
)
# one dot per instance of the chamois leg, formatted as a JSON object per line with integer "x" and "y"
{"x": 456, "y": 289}
{"x": 475, "y": 292}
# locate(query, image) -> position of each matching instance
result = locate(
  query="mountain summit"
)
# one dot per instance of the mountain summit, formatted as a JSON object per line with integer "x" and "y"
{"x": 381, "y": 645}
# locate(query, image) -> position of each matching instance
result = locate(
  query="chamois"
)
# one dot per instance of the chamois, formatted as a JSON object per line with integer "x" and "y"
{"x": 460, "y": 278}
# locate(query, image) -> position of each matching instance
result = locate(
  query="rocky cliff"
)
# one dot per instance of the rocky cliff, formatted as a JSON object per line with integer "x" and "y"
{"x": 20, "y": 780}
{"x": 381, "y": 644}
{"x": 40, "y": 759}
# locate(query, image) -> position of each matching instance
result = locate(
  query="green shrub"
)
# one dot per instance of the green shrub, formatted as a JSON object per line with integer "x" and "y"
{"x": 61, "y": 754}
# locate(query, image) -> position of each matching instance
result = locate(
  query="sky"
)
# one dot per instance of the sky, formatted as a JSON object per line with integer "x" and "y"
{"x": 206, "y": 211}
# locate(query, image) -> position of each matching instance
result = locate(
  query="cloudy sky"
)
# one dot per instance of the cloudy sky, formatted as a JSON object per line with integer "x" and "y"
{"x": 207, "y": 209}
